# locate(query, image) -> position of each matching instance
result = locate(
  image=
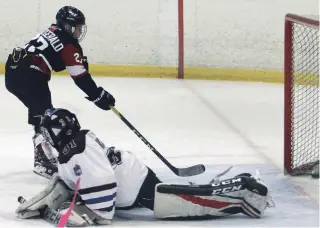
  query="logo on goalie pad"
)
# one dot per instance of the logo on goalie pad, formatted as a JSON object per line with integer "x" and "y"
{"x": 227, "y": 182}
{"x": 234, "y": 185}
{"x": 227, "y": 189}
{"x": 51, "y": 215}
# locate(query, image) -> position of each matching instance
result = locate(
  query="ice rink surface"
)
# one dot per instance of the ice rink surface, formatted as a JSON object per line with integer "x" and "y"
{"x": 190, "y": 122}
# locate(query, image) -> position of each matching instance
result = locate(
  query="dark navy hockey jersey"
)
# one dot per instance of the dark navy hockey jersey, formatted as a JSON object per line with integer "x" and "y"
{"x": 59, "y": 51}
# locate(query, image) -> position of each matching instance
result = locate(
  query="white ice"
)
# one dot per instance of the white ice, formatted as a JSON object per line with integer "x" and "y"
{"x": 189, "y": 122}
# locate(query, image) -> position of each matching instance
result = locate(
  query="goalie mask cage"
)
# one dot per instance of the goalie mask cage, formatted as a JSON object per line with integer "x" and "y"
{"x": 301, "y": 98}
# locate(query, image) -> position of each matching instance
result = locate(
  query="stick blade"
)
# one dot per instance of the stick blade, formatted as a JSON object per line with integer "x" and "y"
{"x": 190, "y": 171}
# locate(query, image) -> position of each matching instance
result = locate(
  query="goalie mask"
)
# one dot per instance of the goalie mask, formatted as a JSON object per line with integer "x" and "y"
{"x": 73, "y": 21}
{"x": 58, "y": 127}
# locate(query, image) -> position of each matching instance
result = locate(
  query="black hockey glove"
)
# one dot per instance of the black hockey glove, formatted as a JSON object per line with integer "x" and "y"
{"x": 85, "y": 62}
{"x": 104, "y": 100}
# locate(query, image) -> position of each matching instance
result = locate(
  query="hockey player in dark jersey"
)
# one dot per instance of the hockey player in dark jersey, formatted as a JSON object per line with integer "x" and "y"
{"x": 28, "y": 71}
{"x": 110, "y": 179}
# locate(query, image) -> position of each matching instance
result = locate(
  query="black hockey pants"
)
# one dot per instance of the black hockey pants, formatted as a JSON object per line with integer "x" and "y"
{"x": 146, "y": 195}
{"x": 30, "y": 86}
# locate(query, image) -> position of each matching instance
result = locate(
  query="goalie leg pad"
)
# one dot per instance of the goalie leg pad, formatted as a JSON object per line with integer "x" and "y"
{"x": 236, "y": 195}
{"x": 83, "y": 215}
{"x": 52, "y": 196}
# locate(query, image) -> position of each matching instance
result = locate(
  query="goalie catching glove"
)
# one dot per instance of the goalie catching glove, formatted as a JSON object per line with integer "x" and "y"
{"x": 51, "y": 203}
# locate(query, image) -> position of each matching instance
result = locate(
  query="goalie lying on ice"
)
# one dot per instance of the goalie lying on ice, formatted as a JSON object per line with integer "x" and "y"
{"x": 112, "y": 180}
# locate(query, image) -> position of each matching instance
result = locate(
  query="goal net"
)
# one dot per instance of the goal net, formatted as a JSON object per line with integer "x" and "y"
{"x": 301, "y": 66}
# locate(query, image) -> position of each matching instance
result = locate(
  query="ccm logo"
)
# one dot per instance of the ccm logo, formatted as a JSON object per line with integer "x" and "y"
{"x": 226, "y": 182}
{"x": 227, "y": 190}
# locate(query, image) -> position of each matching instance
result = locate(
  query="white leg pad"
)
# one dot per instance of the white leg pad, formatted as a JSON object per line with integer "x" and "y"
{"x": 175, "y": 205}
{"x": 52, "y": 196}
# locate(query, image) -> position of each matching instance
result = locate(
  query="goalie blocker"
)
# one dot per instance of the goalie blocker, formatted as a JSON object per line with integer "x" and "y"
{"x": 241, "y": 194}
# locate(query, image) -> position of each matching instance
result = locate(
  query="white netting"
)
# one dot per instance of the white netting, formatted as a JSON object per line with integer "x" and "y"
{"x": 305, "y": 142}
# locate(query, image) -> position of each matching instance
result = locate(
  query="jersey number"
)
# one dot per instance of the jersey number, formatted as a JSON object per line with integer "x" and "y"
{"x": 43, "y": 44}
{"x": 77, "y": 57}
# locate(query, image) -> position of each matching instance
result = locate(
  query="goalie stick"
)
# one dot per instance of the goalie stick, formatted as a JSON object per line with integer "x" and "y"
{"x": 182, "y": 172}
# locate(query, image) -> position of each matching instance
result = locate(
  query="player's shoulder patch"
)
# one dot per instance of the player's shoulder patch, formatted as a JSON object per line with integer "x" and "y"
{"x": 75, "y": 146}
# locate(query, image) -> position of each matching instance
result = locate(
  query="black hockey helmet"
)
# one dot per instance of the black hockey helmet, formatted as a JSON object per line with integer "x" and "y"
{"x": 73, "y": 21}
{"x": 59, "y": 126}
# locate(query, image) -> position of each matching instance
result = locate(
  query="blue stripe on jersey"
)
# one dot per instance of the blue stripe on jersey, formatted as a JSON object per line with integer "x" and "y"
{"x": 101, "y": 199}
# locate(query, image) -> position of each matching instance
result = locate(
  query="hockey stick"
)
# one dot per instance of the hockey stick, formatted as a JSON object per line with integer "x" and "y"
{"x": 182, "y": 172}
{"x": 64, "y": 218}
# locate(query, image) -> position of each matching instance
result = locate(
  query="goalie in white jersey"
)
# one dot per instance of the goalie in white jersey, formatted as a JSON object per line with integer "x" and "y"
{"x": 112, "y": 179}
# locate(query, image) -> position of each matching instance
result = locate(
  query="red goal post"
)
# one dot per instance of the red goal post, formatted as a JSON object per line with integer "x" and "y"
{"x": 301, "y": 95}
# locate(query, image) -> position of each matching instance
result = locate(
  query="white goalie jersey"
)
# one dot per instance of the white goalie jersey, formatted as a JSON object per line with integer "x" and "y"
{"x": 109, "y": 177}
